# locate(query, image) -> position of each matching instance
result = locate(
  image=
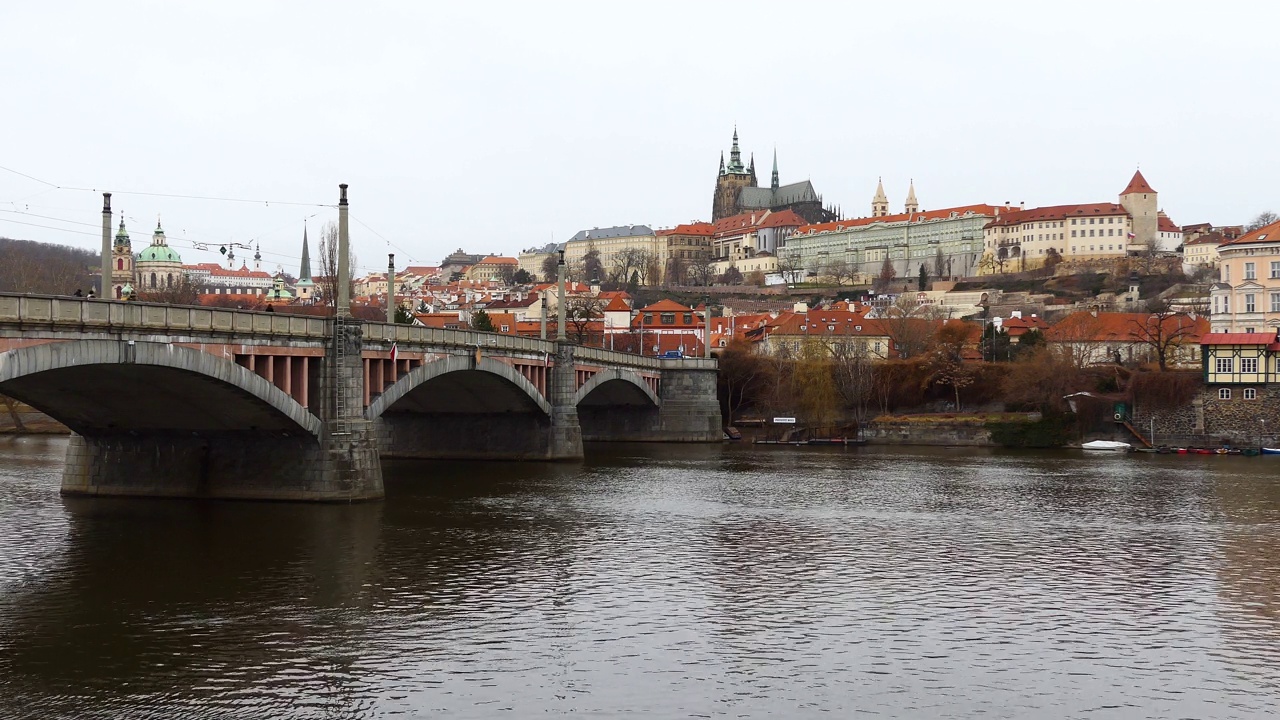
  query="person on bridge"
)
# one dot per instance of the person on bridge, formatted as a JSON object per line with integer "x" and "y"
{"x": 77, "y": 293}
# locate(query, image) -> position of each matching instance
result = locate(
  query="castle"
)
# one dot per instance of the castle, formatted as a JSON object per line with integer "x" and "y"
{"x": 737, "y": 191}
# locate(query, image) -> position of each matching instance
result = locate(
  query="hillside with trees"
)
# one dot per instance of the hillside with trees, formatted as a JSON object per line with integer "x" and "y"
{"x": 44, "y": 268}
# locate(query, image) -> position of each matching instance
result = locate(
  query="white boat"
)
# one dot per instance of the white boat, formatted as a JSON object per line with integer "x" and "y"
{"x": 1107, "y": 445}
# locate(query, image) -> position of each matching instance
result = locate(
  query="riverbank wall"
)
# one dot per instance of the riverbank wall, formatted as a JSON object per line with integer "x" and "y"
{"x": 946, "y": 429}
{"x": 18, "y": 418}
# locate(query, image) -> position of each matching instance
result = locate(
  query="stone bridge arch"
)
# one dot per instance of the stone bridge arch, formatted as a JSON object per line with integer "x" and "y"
{"x": 107, "y": 386}
{"x": 461, "y": 408}
{"x": 616, "y": 387}
{"x": 515, "y": 392}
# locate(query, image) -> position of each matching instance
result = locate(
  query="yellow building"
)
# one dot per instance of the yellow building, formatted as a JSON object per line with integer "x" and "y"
{"x": 1022, "y": 240}
{"x": 611, "y": 243}
{"x": 493, "y": 268}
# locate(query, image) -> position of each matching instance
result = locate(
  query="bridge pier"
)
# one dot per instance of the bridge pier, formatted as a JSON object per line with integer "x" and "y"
{"x": 566, "y": 433}
{"x": 241, "y": 466}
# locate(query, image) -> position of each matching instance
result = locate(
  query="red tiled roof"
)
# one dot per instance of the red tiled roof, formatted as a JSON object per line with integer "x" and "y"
{"x": 1138, "y": 184}
{"x": 498, "y": 260}
{"x": 940, "y": 214}
{"x": 666, "y": 305}
{"x": 1164, "y": 224}
{"x": 704, "y": 229}
{"x": 1266, "y": 233}
{"x": 1058, "y": 212}
{"x": 1237, "y": 339}
{"x": 1083, "y": 326}
{"x": 757, "y": 219}
{"x": 617, "y": 305}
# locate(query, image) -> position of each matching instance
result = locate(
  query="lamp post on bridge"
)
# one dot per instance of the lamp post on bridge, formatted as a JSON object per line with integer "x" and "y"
{"x": 343, "y": 307}
{"x": 104, "y": 287}
{"x": 391, "y": 287}
{"x": 561, "y": 312}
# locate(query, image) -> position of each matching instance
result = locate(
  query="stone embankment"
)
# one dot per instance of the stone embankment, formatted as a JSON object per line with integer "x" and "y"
{"x": 953, "y": 429}
{"x": 17, "y": 418}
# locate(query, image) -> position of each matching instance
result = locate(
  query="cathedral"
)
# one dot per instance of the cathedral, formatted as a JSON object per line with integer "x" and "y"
{"x": 737, "y": 191}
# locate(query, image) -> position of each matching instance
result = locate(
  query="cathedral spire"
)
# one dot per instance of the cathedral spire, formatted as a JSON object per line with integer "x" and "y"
{"x": 774, "y": 182}
{"x": 257, "y": 257}
{"x": 721, "y": 162}
{"x": 879, "y": 203}
{"x": 735, "y": 155}
{"x": 304, "y": 272}
{"x": 912, "y": 205}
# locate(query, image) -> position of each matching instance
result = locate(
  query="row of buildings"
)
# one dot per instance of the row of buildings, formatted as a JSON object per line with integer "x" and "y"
{"x": 787, "y": 233}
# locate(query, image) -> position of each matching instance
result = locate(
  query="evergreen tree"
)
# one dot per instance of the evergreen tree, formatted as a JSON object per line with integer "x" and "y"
{"x": 923, "y": 280}
{"x": 480, "y": 321}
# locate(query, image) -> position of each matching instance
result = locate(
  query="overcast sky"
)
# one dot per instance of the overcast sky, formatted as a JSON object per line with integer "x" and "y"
{"x": 498, "y": 126}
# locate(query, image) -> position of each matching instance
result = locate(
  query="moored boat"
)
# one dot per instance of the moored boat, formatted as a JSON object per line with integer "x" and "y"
{"x": 1270, "y": 451}
{"x": 1107, "y": 445}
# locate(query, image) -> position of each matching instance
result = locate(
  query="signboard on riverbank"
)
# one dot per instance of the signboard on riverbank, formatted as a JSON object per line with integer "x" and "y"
{"x": 784, "y": 421}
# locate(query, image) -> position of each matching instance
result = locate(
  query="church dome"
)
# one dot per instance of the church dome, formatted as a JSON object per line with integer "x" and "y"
{"x": 159, "y": 253}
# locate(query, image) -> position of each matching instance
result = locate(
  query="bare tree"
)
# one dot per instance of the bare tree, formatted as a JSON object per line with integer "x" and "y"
{"x": 839, "y": 271}
{"x": 702, "y": 270}
{"x": 940, "y": 265}
{"x": 676, "y": 272}
{"x": 1164, "y": 331}
{"x": 1078, "y": 338}
{"x": 327, "y": 283}
{"x": 886, "y": 276}
{"x": 186, "y": 291}
{"x": 789, "y": 265}
{"x": 580, "y": 312}
{"x": 911, "y": 325}
{"x": 550, "y": 267}
{"x": 45, "y": 269}
{"x": 1261, "y": 220}
{"x": 853, "y": 371}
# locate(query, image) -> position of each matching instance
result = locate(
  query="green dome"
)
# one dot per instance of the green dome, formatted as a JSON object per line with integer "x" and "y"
{"x": 159, "y": 253}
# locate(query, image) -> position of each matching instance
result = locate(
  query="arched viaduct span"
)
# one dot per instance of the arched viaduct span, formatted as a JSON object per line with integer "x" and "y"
{"x": 169, "y": 400}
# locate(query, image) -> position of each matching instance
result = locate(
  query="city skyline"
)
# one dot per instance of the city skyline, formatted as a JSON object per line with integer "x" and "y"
{"x": 497, "y": 135}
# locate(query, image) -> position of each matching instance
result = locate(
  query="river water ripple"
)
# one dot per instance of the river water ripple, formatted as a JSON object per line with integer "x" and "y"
{"x": 660, "y": 581}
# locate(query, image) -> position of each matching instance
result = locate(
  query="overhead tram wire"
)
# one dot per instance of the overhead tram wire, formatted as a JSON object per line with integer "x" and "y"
{"x": 181, "y": 196}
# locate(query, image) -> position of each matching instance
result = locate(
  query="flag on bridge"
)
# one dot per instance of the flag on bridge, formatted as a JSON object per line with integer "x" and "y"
{"x": 393, "y": 352}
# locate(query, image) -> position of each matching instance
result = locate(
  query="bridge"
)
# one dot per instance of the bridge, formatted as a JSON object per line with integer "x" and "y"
{"x": 167, "y": 400}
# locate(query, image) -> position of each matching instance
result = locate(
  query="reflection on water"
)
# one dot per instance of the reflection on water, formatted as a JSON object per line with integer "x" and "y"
{"x": 674, "y": 581}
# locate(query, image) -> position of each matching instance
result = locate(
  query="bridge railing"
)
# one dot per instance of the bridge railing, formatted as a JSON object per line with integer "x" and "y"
{"x": 416, "y": 334}
{"x": 86, "y": 314}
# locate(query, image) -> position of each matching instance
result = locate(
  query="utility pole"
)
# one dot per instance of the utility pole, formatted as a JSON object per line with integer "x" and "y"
{"x": 391, "y": 287}
{"x": 104, "y": 287}
{"x": 343, "y": 281}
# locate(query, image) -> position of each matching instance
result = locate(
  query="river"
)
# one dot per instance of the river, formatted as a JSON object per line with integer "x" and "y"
{"x": 661, "y": 581}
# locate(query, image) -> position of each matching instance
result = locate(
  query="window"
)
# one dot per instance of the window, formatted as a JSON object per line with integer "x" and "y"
{"x": 1249, "y": 271}
{"x": 1226, "y": 273}
{"x": 1249, "y": 365}
{"x": 1090, "y": 232}
{"x": 1248, "y": 303}
{"x": 1224, "y": 393}
{"x": 668, "y": 318}
{"x": 648, "y": 318}
{"x": 688, "y": 318}
{"x": 1073, "y": 233}
{"x": 1275, "y": 269}
{"x": 505, "y": 328}
{"x": 1223, "y": 365}
{"x": 1250, "y": 394}
{"x": 1275, "y": 302}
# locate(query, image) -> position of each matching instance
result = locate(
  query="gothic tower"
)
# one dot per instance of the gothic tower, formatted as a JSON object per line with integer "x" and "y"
{"x": 733, "y": 177}
{"x": 912, "y": 205}
{"x": 879, "y": 203}
{"x": 1139, "y": 198}
{"x": 305, "y": 288}
{"x": 773, "y": 183}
